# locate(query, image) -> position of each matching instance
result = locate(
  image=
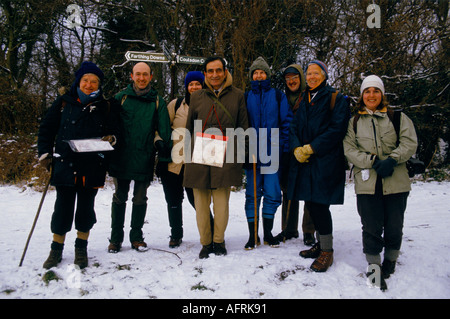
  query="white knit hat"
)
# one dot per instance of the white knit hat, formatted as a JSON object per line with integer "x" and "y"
{"x": 372, "y": 81}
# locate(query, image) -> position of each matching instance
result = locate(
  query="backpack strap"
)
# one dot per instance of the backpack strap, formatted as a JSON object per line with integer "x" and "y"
{"x": 333, "y": 100}
{"x": 355, "y": 120}
{"x": 178, "y": 104}
{"x": 124, "y": 97}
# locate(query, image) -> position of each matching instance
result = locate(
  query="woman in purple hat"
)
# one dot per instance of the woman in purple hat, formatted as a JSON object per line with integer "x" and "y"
{"x": 317, "y": 174}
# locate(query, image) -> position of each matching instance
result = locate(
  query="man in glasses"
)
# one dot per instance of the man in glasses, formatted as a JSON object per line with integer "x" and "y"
{"x": 295, "y": 84}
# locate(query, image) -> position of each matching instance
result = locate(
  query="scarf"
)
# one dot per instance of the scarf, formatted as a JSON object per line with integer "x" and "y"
{"x": 141, "y": 92}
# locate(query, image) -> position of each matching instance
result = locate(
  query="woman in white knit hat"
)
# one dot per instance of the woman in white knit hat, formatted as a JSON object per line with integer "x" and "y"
{"x": 382, "y": 183}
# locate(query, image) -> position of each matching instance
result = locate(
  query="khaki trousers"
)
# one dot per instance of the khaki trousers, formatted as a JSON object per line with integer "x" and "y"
{"x": 220, "y": 198}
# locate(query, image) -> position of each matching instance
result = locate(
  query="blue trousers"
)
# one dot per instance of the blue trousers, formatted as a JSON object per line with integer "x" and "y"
{"x": 268, "y": 188}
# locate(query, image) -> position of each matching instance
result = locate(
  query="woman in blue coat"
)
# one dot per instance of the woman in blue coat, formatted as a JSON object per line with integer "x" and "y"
{"x": 267, "y": 109}
{"x": 318, "y": 174}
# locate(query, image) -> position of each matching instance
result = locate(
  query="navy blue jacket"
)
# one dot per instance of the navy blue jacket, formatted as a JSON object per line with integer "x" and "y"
{"x": 72, "y": 120}
{"x": 322, "y": 179}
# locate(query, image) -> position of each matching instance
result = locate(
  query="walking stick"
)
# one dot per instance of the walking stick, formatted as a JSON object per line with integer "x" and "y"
{"x": 254, "y": 194}
{"x": 286, "y": 220}
{"x": 36, "y": 218}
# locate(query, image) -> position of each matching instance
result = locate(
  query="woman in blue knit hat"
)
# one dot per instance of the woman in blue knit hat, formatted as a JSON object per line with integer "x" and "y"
{"x": 172, "y": 173}
{"x": 81, "y": 113}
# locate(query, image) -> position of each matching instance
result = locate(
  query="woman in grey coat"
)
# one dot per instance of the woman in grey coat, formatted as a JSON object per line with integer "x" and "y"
{"x": 382, "y": 183}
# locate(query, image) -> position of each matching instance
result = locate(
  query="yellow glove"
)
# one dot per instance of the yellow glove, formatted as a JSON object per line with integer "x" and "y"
{"x": 303, "y": 153}
{"x": 307, "y": 149}
{"x": 300, "y": 155}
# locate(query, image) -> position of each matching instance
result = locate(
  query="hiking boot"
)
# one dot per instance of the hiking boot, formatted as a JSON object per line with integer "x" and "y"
{"x": 219, "y": 249}
{"x": 323, "y": 262}
{"x": 174, "y": 242}
{"x": 54, "y": 257}
{"x": 206, "y": 250}
{"x": 81, "y": 258}
{"x": 387, "y": 268}
{"x": 313, "y": 252}
{"x": 114, "y": 247}
{"x": 308, "y": 239}
{"x": 139, "y": 245}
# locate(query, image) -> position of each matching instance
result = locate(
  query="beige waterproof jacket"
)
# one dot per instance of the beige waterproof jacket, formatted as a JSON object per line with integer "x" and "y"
{"x": 208, "y": 177}
{"x": 178, "y": 124}
{"x": 375, "y": 135}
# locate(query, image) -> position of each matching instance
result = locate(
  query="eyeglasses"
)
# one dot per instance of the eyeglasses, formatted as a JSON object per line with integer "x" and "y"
{"x": 291, "y": 78}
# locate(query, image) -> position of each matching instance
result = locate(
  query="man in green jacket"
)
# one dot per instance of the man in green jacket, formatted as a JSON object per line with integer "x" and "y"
{"x": 145, "y": 130}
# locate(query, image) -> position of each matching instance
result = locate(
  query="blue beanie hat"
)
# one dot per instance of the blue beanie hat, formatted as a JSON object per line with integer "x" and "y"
{"x": 194, "y": 76}
{"x": 322, "y": 65}
{"x": 88, "y": 67}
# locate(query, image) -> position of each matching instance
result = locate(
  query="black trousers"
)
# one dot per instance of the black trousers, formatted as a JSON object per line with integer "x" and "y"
{"x": 321, "y": 216}
{"x": 382, "y": 220}
{"x": 174, "y": 194}
{"x": 64, "y": 211}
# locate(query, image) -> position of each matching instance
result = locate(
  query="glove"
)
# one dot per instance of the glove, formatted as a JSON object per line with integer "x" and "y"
{"x": 384, "y": 168}
{"x": 308, "y": 149}
{"x": 303, "y": 153}
{"x": 110, "y": 138}
{"x": 163, "y": 151}
{"x": 45, "y": 161}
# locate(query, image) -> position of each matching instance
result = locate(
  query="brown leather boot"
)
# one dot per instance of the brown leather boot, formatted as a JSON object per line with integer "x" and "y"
{"x": 323, "y": 262}
{"x": 54, "y": 257}
{"x": 81, "y": 257}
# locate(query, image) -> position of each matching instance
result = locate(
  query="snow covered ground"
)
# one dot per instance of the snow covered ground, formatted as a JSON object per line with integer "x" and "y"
{"x": 422, "y": 272}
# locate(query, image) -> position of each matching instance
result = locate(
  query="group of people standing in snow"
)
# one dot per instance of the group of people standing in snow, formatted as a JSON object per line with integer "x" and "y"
{"x": 316, "y": 134}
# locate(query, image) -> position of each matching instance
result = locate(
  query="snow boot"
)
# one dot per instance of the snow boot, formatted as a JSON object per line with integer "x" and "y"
{"x": 219, "y": 249}
{"x": 55, "y": 255}
{"x": 268, "y": 237}
{"x": 323, "y": 262}
{"x": 81, "y": 257}
{"x": 387, "y": 268}
{"x": 206, "y": 250}
{"x": 251, "y": 239}
{"x": 313, "y": 252}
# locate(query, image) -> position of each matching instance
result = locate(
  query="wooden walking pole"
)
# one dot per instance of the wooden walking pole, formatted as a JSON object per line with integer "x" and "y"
{"x": 35, "y": 219}
{"x": 256, "y": 206}
{"x": 286, "y": 220}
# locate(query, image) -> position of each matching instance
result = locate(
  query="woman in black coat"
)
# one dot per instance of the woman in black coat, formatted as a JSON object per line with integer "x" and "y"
{"x": 317, "y": 175}
{"x": 82, "y": 113}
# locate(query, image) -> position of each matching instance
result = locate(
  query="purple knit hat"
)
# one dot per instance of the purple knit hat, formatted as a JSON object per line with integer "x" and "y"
{"x": 322, "y": 65}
